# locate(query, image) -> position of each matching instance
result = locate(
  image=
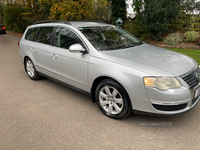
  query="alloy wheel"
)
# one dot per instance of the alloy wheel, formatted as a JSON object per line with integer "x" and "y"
{"x": 111, "y": 100}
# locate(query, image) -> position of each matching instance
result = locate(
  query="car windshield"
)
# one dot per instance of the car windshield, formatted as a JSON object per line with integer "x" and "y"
{"x": 106, "y": 38}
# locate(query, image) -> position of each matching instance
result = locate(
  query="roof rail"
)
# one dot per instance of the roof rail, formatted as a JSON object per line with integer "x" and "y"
{"x": 46, "y": 21}
{"x": 92, "y": 21}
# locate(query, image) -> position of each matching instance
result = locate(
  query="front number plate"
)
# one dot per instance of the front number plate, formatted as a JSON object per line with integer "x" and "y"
{"x": 197, "y": 92}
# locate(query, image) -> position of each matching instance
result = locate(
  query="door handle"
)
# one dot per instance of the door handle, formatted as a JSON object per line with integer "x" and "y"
{"x": 32, "y": 50}
{"x": 54, "y": 56}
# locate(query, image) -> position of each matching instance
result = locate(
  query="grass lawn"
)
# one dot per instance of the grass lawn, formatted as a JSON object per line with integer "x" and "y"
{"x": 195, "y": 54}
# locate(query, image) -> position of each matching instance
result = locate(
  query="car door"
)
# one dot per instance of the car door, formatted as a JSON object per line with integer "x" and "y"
{"x": 69, "y": 67}
{"x": 41, "y": 50}
{"x": 26, "y": 42}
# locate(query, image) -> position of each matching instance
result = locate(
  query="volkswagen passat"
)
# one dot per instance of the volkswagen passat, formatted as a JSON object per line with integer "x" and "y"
{"x": 119, "y": 71}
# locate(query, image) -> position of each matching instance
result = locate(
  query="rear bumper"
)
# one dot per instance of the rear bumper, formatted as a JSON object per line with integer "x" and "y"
{"x": 2, "y": 31}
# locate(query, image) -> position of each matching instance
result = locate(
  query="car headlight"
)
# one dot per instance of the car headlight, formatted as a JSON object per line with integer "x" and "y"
{"x": 162, "y": 83}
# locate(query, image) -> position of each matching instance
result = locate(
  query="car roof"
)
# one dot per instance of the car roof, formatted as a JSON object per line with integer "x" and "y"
{"x": 76, "y": 24}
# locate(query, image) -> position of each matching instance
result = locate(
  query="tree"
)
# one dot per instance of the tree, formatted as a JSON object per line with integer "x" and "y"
{"x": 75, "y": 9}
{"x": 18, "y": 14}
{"x": 32, "y": 13}
{"x": 102, "y": 10}
{"x": 1, "y": 12}
{"x": 118, "y": 9}
{"x": 157, "y": 16}
{"x": 13, "y": 17}
{"x": 67, "y": 9}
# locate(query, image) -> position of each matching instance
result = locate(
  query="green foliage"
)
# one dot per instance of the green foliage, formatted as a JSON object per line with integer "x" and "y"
{"x": 191, "y": 36}
{"x": 186, "y": 10}
{"x": 135, "y": 28}
{"x": 197, "y": 40}
{"x": 75, "y": 10}
{"x": 13, "y": 17}
{"x": 190, "y": 6}
{"x": 157, "y": 15}
{"x": 1, "y": 12}
{"x": 138, "y": 6}
{"x": 154, "y": 17}
{"x": 118, "y": 9}
{"x": 102, "y": 10}
{"x": 173, "y": 39}
{"x": 19, "y": 14}
{"x": 183, "y": 21}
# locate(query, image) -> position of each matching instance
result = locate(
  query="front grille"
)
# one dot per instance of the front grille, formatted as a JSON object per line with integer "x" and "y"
{"x": 191, "y": 80}
{"x": 170, "y": 107}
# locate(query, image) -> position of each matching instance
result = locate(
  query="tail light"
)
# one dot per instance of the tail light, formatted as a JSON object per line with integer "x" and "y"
{"x": 3, "y": 28}
{"x": 18, "y": 43}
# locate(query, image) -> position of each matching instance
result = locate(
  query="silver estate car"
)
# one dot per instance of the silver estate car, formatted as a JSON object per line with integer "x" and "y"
{"x": 120, "y": 72}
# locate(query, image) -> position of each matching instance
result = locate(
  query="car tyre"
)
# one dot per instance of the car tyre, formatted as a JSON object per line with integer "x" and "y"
{"x": 112, "y": 99}
{"x": 31, "y": 71}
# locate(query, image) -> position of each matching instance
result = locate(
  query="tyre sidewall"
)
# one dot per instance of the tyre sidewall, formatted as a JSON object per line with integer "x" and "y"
{"x": 36, "y": 76}
{"x": 126, "y": 102}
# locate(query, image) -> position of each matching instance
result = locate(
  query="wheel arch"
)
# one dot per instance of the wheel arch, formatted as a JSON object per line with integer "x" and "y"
{"x": 25, "y": 62}
{"x": 27, "y": 57}
{"x": 98, "y": 80}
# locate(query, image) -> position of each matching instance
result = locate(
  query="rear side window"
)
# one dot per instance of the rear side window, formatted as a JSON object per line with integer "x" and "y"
{"x": 30, "y": 34}
{"x": 44, "y": 35}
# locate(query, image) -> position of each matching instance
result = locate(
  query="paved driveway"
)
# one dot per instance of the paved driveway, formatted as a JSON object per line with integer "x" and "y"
{"x": 44, "y": 115}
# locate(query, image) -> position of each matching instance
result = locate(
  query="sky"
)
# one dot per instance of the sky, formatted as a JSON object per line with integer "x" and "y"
{"x": 129, "y": 8}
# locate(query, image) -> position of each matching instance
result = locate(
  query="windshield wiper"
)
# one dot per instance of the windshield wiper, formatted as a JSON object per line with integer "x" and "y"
{"x": 132, "y": 45}
{"x": 127, "y": 46}
{"x": 138, "y": 43}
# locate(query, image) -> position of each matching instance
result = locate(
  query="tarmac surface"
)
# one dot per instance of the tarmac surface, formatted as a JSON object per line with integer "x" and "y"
{"x": 44, "y": 115}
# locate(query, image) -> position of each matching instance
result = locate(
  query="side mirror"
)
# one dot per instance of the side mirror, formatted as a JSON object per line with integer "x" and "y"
{"x": 76, "y": 48}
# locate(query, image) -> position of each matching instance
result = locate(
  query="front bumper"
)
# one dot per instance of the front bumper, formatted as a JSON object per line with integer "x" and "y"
{"x": 171, "y": 102}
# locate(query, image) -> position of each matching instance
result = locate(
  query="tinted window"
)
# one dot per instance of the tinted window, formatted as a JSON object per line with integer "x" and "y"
{"x": 44, "y": 35}
{"x": 106, "y": 38}
{"x": 30, "y": 34}
{"x": 65, "y": 38}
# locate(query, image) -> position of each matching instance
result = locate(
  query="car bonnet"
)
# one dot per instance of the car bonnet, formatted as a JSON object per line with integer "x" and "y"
{"x": 151, "y": 59}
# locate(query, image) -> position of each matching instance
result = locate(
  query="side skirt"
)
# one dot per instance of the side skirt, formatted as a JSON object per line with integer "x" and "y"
{"x": 65, "y": 84}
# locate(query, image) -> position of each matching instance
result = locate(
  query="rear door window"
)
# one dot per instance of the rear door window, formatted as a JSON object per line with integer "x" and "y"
{"x": 44, "y": 35}
{"x": 30, "y": 34}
